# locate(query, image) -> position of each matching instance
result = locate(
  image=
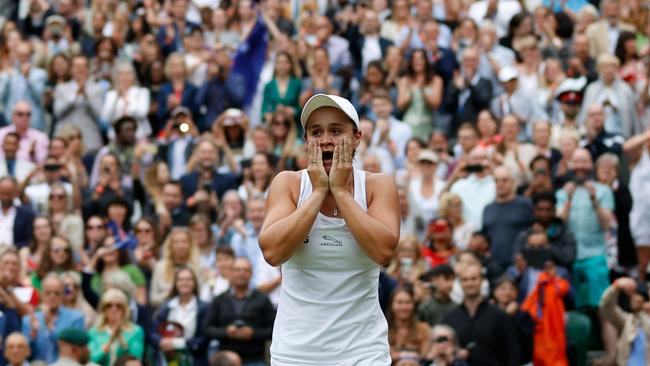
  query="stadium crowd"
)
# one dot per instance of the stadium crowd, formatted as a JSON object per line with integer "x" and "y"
{"x": 139, "y": 139}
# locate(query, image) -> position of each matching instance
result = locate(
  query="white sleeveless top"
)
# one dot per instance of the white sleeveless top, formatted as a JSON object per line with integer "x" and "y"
{"x": 329, "y": 313}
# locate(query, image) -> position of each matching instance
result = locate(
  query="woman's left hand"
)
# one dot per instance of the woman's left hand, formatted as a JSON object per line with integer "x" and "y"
{"x": 341, "y": 166}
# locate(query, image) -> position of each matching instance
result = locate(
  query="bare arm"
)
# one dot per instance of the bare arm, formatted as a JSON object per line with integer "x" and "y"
{"x": 286, "y": 225}
{"x": 376, "y": 231}
{"x": 403, "y": 94}
{"x": 433, "y": 93}
{"x": 633, "y": 147}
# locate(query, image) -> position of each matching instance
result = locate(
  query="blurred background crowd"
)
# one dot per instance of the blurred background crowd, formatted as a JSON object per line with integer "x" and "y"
{"x": 139, "y": 139}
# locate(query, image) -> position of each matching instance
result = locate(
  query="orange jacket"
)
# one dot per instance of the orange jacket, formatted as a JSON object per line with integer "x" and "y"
{"x": 545, "y": 306}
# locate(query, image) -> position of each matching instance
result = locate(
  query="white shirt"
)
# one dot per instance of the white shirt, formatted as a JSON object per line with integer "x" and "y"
{"x": 371, "y": 51}
{"x": 185, "y": 315}
{"x": 7, "y": 226}
{"x": 506, "y": 9}
{"x": 425, "y": 207}
{"x": 400, "y": 133}
{"x": 612, "y": 34}
{"x": 476, "y": 193}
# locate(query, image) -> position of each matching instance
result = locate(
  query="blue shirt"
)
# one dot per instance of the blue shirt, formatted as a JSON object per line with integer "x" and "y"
{"x": 637, "y": 349}
{"x": 583, "y": 219}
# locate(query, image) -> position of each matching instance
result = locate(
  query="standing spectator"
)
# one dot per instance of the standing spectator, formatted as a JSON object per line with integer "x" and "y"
{"x": 505, "y": 295}
{"x": 241, "y": 318}
{"x": 637, "y": 151}
{"x": 419, "y": 93}
{"x": 560, "y": 238}
{"x": 58, "y": 258}
{"x": 43, "y": 326}
{"x": 587, "y": 207}
{"x": 126, "y": 98}
{"x": 173, "y": 211}
{"x": 11, "y": 165}
{"x": 177, "y": 91}
{"x": 607, "y": 173}
{"x": 223, "y": 89}
{"x": 632, "y": 326}
{"x": 477, "y": 322}
{"x": 597, "y": 139}
{"x": 506, "y": 217}
{"x": 451, "y": 208}
{"x": 184, "y": 308}
{"x": 478, "y": 189}
{"x": 515, "y": 100}
{"x": 15, "y": 221}
{"x": 444, "y": 349}
{"x": 78, "y": 102}
{"x": 615, "y": 96}
{"x": 338, "y": 48}
{"x": 284, "y": 89}
{"x": 37, "y": 194}
{"x": 202, "y": 171}
{"x": 177, "y": 144}
{"x": 366, "y": 43}
{"x": 500, "y": 12}
{"x": 24, "y": 82}
{"x": 33, "y": 143}
{"x": 603, "y": 34}
{"x": 405, "y": 332}
{"x": 170, "y": 36}
{"x": 514, "y": 154}
{"x": 73, "y": 347}
{"x": 245, "y": 243}
{"x": 469, "y": 92}
{"x": 114, "y": 334}
{"x": 66, "y": 222}
{"x": 407, "y": 265}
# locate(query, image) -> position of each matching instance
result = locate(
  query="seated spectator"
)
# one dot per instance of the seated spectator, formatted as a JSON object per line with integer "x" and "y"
{"x": 546, "y": 305}
{"x": 202, "y": 171}
{"x": 451, "y": 208}
{"x": 11, "y": 164}
{"x": 476, "y": 322}
{"x": 440, "y": 280}
{"x": 425, "y": 189}
{"x": 597, "y": 139}
{"x": 515, "y": 101}
{"x": 285, "y": 139}
{"x": 37, "y": 193}
{"x": 31, "y": 255}
{"x": 505, "y": 295}
{"x": 561, "y": 241}
{"x": 44, "y": 325}
{"x": 32, "y": 143}
{"x": 66, "y": 222}
{"x": 506, "y": 217}
{"x": 632, "y": 325}
{"x": 147, "y": 247}
{"x": 241, "y": 319}
{"x": 73, "y": 347}
{"x": 217, "y": 281}
{"x": 259, "y": 177}
{"x": 112, "y": 184}
{"x": 114, "y": 334}
{"x": 231, "y": 217}
{"x": 173, "y": 211}
{"x": 440, "y": 243}
{"x": 16, "y": 221}
{"x": 16, "y": 350}
{"x": 405, "y": 332}
{"x": 178, "y": 250}
{"x": 407, "y": 265}
{"x": 111, "y": 256}
{"x": 177, "y": 331}
{"x": 73, "y": 297}
{"x": 21, "y": 297}
{"x": 444, "y": 347}
{"x": 58, "y": 257}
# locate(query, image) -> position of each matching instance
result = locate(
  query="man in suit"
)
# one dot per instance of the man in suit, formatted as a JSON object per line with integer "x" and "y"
{"x": 12, "y": 165}
{"x": 365, "y": 42}
{"x": 15, "y": 220}
{"x": 603, "y": 34}
{"x": 469, "y": 92}
{"x": 44, "y": 326}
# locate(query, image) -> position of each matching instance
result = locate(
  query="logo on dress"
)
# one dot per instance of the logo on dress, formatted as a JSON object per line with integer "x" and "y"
{"x": 331, "y": 241}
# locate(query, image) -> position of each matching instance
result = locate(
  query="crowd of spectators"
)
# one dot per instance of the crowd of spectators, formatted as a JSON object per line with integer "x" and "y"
{"x": 139, "y": 139}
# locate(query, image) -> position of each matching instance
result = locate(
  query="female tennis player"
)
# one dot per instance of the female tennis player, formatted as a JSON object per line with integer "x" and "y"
{"x": 330, "y": 227}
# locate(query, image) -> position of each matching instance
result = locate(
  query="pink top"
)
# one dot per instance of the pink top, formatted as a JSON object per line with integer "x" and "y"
{"x": 34, "y": 137}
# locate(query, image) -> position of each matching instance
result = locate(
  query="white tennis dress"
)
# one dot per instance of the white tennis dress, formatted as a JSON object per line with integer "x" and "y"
{"x": 329, "y": 311}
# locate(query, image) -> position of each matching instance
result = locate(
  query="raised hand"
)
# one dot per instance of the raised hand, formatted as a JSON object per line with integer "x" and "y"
{"x": 341, "y": 166}
{"x": 316, "y": 169}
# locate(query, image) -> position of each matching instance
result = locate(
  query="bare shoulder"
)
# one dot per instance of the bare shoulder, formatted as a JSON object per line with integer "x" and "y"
{"x": 286, "y": 182}
{"x": 379, "y": 185}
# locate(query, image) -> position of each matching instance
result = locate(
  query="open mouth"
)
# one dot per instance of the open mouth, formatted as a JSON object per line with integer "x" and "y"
{"x": 328, "y": 155}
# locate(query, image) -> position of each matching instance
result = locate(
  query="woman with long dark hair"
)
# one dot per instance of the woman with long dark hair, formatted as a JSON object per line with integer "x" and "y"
{"x": 419, "y": 94}
{"x": 405, "y": 332}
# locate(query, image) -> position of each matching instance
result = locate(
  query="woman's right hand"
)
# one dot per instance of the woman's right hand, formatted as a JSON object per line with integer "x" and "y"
{"x": 317, "y": 174}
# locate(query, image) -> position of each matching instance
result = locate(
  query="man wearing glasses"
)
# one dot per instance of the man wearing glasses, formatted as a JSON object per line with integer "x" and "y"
{"x": 33, "y": 143}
